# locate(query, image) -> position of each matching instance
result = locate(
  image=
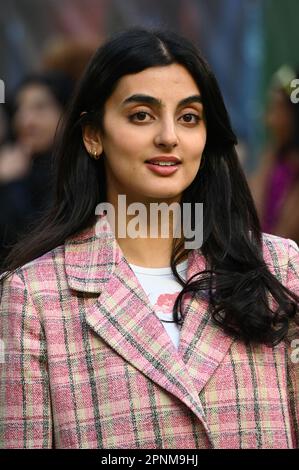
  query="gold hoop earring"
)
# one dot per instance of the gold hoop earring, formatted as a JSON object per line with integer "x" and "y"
{"x": 95, "y": 155}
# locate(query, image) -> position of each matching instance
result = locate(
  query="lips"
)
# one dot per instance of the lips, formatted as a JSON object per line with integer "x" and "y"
{"x": 164, "y": 159}
{"x": 165, "y": 166}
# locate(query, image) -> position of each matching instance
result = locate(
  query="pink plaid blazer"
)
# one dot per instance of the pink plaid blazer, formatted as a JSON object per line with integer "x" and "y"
{"x": 89, "y": 365}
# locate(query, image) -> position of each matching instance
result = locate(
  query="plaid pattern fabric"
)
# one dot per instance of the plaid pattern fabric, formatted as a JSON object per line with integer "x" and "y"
{"x": 89, "y": 365}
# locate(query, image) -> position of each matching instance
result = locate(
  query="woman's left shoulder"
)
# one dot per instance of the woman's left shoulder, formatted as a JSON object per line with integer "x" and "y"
{"x": 282, "y": 256}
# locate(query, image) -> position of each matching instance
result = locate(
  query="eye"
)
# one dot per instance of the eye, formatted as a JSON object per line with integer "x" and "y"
{"x": 140, "y": 116}
{"x": 190, "y": 118}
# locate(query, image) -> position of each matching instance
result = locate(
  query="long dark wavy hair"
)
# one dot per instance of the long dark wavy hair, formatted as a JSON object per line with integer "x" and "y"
{"x": 237, "y": 280}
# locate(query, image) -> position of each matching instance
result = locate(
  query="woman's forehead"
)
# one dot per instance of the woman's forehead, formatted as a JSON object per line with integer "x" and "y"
{"x": 168, "y": 82}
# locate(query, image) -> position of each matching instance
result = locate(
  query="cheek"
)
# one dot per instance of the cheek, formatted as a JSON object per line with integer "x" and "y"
{"x": 45, "y": 133}
{"x": 18, "y": 124}
{"x": 196, "y": 146}
{"x": 45, "y": 126}
{"x": 126, "y": 143}
{"x": 52, "y": 119}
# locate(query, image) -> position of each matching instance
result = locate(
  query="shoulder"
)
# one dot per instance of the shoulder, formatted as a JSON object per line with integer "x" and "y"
{"x": 282, "y": 257}
{"x": 278, "y": 242}
{"x": 36, "y": 273}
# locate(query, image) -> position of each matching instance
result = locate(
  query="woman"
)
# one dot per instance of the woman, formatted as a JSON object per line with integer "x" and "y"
{"x": 26, "y": 163}
{"x": 275, "y": 184}
{"x": 90, "y": 360}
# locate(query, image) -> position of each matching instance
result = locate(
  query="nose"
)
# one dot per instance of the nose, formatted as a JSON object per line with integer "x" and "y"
{"x": 166, "y": 136}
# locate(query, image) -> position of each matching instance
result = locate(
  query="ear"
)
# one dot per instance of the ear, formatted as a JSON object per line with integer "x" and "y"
{"x": 92, "y": 140}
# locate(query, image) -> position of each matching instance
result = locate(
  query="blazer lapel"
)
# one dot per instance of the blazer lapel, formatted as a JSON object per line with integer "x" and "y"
{"x": 203, "y": 344}
{"x": 122, "y": 314}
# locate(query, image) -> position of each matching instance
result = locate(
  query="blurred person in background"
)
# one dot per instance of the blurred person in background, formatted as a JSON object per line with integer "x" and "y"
{"x": 68, "y": 56}
{"x": 275, "y": 184}
{"x": 26, "y": 162}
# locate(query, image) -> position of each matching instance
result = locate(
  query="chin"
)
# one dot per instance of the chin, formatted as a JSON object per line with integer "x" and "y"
{"x": 164, "y": 196}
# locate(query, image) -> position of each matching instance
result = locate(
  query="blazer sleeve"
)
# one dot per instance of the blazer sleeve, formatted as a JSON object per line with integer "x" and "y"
{"x": 293, "y": 335}
{"x": 25, "y": 409}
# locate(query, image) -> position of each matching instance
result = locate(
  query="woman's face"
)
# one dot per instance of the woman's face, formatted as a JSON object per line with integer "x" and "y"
{"x": 158, "y": 114}
{"x": 36, "y": 118}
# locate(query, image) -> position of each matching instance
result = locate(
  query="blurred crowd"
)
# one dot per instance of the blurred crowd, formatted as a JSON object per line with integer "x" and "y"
{"x": 30, "y": 118}
{"x": 29, "y": 125}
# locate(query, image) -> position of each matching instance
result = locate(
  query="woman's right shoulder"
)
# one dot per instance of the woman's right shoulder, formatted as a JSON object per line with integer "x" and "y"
{"x": 39, "y": 268}
{"x": 54, "y": 270}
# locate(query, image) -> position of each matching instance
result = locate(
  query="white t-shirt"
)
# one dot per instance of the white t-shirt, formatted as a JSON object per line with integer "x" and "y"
{"x": 162, "y": 289}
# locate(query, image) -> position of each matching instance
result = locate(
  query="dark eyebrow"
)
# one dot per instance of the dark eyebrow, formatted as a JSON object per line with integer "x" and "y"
{"x": 191, "y": 99}
{"x": 142, "y": 99}
{"x": 155, "y": 102}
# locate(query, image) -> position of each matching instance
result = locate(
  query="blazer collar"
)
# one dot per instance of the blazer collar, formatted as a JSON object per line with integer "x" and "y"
{"x": 91, "y": 257}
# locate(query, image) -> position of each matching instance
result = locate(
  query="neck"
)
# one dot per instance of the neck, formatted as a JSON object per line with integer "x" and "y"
{"x": 146, "y": 238}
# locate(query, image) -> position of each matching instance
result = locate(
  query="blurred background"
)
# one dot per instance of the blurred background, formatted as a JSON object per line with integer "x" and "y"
{"x": 252, "y": 46}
